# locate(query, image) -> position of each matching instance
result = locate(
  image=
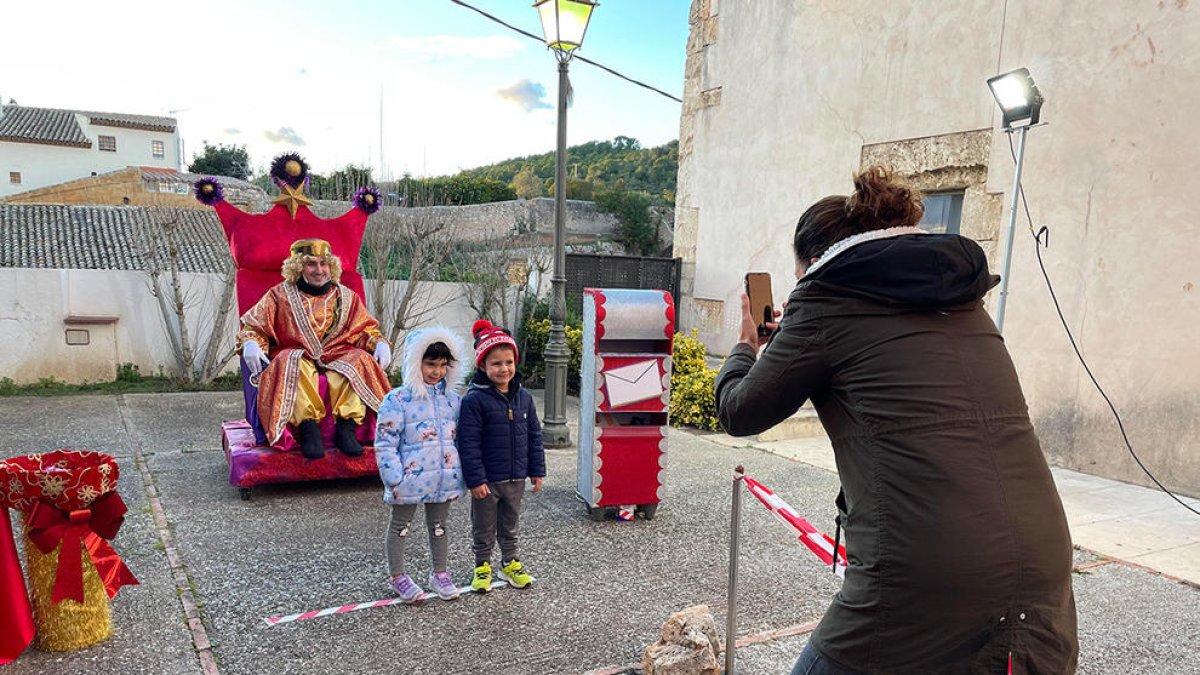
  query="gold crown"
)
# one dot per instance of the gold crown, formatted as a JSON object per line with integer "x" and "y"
{"x": 313, "y": 247}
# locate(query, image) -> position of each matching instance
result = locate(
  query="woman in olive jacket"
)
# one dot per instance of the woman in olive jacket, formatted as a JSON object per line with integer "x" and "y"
{"x": 960, "y": 558}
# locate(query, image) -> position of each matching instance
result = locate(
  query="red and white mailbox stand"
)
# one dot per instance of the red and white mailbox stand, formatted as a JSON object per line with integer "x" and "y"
{"x": 625, "y": 395}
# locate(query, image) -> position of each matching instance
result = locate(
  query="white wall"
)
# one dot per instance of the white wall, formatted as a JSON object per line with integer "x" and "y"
{"x": 41, "y": 165}
{"x": 33, "y": 310}
{"x": 133, "y": 146}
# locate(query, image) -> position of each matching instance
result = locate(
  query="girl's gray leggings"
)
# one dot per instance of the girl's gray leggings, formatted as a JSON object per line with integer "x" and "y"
{"x": 398, "y": 529}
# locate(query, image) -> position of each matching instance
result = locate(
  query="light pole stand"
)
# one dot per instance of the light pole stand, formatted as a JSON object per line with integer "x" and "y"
{"x": 1012, "y": 227}
{"x": 555, "y": 433}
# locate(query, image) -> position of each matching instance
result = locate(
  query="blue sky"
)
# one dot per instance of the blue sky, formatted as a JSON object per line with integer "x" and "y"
{"x": 457, "y": 90}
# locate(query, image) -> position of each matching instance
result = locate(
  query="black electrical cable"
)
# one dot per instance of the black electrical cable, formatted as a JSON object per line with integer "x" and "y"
{"x": 577, "y": 57}
{"x": 1038, "y": 243}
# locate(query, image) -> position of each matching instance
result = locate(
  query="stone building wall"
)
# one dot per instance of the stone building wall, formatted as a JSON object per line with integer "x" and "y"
{"x": 134, "y": 186}
{"x": 785, "y": 100}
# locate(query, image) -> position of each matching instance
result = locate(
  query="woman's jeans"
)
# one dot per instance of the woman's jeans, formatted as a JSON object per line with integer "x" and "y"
{"x": 812, "y": 663}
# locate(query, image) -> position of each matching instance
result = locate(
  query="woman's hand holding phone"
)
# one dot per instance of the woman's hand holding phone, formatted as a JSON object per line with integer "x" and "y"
{"x": 749, "y": 331}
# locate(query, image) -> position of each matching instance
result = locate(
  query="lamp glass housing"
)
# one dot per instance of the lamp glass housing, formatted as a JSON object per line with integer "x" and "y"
{"x": 564, "y": 22}
{"x": 1017, "y": 96}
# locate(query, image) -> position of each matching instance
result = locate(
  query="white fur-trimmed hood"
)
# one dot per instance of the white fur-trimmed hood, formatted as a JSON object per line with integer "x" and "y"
{"x": 415, "y": 344}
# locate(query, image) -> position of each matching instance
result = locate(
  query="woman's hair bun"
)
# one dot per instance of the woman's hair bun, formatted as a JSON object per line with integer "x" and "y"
{"x": 882, "y": 199}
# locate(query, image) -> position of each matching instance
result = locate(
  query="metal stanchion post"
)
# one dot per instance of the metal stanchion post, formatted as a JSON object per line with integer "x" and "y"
{"x": 735, "y": 520}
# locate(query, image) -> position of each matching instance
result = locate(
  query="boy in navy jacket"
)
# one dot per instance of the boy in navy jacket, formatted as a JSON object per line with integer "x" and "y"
{"x": 500, "y": 443}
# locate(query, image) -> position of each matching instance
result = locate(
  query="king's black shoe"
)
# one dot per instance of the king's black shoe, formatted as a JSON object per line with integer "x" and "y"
{"x": 344, "y": 440}
{"x": 308, "y": 434}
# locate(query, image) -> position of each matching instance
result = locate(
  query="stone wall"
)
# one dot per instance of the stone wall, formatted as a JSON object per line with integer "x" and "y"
{"x": 481, "y": 222}
{"x": 700, "y": 94}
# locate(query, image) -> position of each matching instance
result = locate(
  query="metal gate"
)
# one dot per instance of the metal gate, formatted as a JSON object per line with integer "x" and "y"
{"x": 585, "y": 270}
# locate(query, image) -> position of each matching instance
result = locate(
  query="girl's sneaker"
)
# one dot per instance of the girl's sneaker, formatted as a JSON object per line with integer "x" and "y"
{"x": 407, "y": 589}
{"x": 443, "y": 585}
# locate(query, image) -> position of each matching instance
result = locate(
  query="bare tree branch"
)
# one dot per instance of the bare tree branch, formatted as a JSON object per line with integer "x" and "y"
{"x": 181, "y": 303}
{"x": 212, "y": 364}
{"x": 404, "y": 250}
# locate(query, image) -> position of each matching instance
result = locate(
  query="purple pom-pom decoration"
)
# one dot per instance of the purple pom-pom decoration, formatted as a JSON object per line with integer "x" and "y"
{"x": 280, "y": 173}
{"x": 368, "y": 199}
{"x": 209, "y": 190}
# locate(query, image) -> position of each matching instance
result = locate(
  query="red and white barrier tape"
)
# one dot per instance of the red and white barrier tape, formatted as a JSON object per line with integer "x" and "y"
{"x": 328, "y": 611}
{"x": 817, "y": 541}
{"x": 276, "y": 620}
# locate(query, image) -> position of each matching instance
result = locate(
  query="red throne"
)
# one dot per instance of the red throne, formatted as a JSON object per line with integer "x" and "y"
{"x": 259, "y": 244}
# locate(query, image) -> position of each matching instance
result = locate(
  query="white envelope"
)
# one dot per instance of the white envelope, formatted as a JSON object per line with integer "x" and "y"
{"x": 632, "y": 383}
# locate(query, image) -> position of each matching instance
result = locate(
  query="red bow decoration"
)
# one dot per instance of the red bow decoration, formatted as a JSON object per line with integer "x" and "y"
{"x": 50, "y": 526}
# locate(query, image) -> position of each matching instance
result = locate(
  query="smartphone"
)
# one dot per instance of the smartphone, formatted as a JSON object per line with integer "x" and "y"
{"x": 762, "y": 307}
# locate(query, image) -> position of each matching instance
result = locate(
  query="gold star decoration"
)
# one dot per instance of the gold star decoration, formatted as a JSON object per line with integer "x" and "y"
{"x": 292, "y": 198}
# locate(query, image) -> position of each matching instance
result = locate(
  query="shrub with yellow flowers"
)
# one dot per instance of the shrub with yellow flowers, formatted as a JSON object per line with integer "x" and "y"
{"x": 533, "y": 357}
{"x": 693, "y": 402}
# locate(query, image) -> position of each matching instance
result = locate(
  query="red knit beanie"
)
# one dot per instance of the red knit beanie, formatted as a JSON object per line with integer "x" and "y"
{"x": 488, "y": 337}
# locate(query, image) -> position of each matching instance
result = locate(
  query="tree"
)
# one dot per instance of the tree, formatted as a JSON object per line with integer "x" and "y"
{"x": 403, "y": 251}
{"x": 222, "y": 160}
{"x": 502, "y": 275}
{"x": 197, "y": 328}
{"x": 635, "y": 224}
{"x": 527, "y": 184}
{"x": 455, "y": 190}
{"x": 341, "y": 184}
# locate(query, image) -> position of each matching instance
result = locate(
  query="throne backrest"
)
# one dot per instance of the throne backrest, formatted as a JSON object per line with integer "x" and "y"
{"x": 261, "y": 242}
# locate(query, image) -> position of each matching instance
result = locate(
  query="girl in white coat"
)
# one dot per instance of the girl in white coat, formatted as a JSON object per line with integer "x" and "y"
{"x": 415, "y": 449}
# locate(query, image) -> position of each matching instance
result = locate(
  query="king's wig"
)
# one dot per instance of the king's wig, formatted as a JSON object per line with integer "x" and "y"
{"x": 293, "y": 267}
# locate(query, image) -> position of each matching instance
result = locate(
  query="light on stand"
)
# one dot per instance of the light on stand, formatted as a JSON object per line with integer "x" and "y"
{"x": 1018, "y": 96}
{"x": 1021, "y": 105}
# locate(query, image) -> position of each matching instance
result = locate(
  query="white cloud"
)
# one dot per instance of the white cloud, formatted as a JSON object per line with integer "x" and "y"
{"x": 483, "y": 47}
{"x": 286, "y": 135}
{"x": 528, "y": 94}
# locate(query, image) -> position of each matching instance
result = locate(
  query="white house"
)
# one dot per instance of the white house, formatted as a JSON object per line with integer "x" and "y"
{"x": 45, "y": 146}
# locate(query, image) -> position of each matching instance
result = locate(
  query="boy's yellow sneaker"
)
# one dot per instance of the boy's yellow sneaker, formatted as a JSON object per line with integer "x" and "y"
{"x": 515, "y": 574}
{"x": 482, "y": 581}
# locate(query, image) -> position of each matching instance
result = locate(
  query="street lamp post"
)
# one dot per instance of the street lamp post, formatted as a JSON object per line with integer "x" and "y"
{"x": 564, "y": 23}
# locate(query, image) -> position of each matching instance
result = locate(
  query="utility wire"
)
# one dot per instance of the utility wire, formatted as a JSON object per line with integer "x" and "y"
{"x": 577, "y": 57}
{"x": 1038, "y": 243}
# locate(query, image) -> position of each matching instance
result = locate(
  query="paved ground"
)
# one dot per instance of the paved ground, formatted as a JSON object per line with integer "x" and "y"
{"x": 603, "y": 590}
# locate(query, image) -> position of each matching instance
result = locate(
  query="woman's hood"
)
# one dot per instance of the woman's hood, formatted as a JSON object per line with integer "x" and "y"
{"x": 926, "y": 271}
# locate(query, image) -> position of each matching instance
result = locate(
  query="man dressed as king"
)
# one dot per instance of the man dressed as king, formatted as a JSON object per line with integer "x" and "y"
{"x": 305, "y": 326}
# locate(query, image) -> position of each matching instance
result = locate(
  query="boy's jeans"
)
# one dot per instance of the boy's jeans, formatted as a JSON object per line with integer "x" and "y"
{"x": 497, "y": 516}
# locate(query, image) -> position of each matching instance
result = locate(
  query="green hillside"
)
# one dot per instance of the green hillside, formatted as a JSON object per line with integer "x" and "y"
{"x": 619, "y": 164}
